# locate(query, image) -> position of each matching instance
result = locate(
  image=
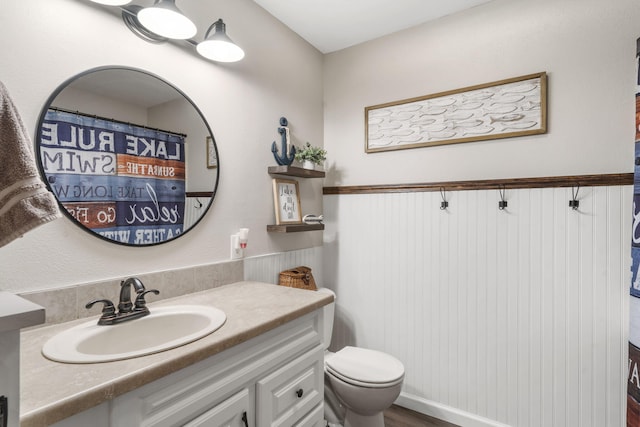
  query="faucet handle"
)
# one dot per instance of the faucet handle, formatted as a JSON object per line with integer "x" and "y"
{"x": 141, "y": 303}
{"x": 108, "y": 310}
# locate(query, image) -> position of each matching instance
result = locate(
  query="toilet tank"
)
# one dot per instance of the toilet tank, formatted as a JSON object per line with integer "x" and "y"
{"x": 329, "y": 312}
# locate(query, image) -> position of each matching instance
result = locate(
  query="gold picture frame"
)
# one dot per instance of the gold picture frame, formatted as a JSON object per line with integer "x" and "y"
{"x": 286, "y": 200}
{"x": 501, "y": 109}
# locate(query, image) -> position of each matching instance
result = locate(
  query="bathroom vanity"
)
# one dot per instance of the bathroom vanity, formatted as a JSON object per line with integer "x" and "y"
{"x": 264, "y": 367}
{"x": 15, "y": 313}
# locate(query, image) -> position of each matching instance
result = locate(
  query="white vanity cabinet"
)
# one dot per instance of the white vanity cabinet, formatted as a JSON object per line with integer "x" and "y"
{"x": 232, "y": 412}
{"x": 292, "y": 390}
{"x": 274, "y": 379}
{"x": 15, "y": 313}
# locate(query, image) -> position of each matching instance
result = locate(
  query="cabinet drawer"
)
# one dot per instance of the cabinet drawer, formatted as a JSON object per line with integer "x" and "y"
{"x": 292, "y": 391}
{"x": 313, "y": 419}
{"x": 229, "y": 413}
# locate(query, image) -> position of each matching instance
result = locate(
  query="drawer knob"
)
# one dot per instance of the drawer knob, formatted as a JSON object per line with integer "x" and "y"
{"x": 300, "y": 392}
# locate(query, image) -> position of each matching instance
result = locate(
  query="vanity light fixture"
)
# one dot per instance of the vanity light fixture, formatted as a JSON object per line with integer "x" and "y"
{"x": 217, "y": 46}
{"x": 163, "y": 21}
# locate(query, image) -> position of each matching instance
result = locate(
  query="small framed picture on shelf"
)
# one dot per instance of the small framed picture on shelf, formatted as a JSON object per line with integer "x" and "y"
{"x": 212, "y": 155}
{"x": 286, "y": 199}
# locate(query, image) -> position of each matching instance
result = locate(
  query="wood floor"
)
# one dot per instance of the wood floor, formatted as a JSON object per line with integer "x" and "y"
{"x": 397, "y": 416}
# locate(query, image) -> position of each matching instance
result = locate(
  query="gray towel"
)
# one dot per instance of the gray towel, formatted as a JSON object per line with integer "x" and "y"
{"x": 25, "y": 201}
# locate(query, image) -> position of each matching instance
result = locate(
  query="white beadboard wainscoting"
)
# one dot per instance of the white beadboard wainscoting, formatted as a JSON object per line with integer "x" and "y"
{"x": 266, "y": 268}
{"x": 194, "y": 209}
{"x": 513, "y": 317}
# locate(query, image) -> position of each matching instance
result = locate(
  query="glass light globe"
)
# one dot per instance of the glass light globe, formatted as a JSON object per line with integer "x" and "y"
{"x": 217, "y": 46}
{"x": 166, "y": 20}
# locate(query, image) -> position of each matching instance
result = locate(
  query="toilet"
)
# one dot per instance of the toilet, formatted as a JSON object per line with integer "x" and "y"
{"x": 359, "y": 383}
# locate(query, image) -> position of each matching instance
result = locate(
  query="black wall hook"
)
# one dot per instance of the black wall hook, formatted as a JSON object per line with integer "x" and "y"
{"x": 574, "y": 203}
{"x": 443, "y": 204}
{"x": 502, "y": 204}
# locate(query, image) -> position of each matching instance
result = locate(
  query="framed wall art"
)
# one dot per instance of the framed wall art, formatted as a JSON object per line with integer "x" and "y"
{"x": 502, "y": 109}
{"x": 286, "y": 199}
{"x": 212, "y": 155}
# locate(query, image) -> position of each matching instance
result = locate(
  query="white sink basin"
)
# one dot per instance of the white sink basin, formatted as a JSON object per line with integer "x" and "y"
{"x": 165, "y": 328}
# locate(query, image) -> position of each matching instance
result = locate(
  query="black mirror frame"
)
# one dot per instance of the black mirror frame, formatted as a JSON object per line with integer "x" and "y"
{"x": 38, "y": 156}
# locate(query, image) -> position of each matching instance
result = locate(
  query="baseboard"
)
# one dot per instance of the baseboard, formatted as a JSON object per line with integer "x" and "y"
{"x": 444, "y": 412}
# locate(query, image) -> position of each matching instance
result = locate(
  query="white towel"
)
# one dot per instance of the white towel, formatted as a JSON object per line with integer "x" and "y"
{"x": 25, "y": 201}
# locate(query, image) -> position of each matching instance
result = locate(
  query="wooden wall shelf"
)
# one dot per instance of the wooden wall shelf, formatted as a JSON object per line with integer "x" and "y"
{"x": 293, "y": 228}
{"x": 300, "y": 173}
{"x": 295, "y": 171}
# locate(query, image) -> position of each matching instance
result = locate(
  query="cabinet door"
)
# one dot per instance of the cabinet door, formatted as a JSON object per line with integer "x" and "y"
{"x": 315, "y": 418}
{"x": 233, "y": 412}
{"x": 291, "y": 392}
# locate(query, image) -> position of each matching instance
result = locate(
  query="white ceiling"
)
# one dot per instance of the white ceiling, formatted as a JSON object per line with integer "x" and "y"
{"x": 331, "y": 25}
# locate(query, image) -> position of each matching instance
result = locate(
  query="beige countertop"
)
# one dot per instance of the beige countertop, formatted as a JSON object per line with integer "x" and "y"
{"x": 17, "y": 313}
{"x": 52, "y": 391}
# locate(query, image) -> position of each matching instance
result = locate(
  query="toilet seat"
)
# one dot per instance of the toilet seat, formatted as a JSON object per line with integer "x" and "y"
{"x": 365, "y": 368}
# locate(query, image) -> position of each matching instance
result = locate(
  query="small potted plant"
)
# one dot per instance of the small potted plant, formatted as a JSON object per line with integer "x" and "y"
{"x": 310, "y": 156}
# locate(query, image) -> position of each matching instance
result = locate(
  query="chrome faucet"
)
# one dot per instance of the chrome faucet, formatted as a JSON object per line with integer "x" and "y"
{"x": 126, "y": 309}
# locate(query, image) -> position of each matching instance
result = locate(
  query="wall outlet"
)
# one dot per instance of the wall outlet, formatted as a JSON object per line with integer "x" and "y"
{"x": 236, "y": 251}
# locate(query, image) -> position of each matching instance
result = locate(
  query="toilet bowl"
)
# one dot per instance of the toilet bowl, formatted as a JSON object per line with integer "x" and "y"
{"x": 359, "y": 383}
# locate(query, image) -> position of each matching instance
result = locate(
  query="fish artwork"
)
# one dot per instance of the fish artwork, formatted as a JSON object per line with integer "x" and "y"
{"x": 411, "y": 138}
{"x": 531, "y": 105}
{"x": 520, "y": 126}
{"x": 383, "y": 112}
{"x": 441, "y": 102}
{"x": 460, "y": 115}
{"x": 440, "y": 135}
{"x": 510, "y": 99}
{"x": 480, "y": 130}
{"x": 503, "y": 109}
{"x": 410, "y": 107}
{"x": 422, "y": 121}
{"x": 469, "y": 106}
{"x": 523, "y": 88}
{"x": 390, "y": 126}
{"x": 402, "y": 132}
{"x": 506, "y": 118}
{"x": 435, "y": 111}
{"x": 402, "y": 116}
{"x": 478, "y": 95}
{"x": 466, "y": 123}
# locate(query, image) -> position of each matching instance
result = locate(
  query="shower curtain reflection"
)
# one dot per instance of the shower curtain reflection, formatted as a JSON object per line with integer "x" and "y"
{"x": 122, "y": 181}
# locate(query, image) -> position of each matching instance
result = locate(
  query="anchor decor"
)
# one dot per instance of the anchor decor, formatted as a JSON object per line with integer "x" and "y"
{"x": 287, "y": 152}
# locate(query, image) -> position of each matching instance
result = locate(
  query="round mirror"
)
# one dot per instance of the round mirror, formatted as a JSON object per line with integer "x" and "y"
{"x": 129, "y": 156}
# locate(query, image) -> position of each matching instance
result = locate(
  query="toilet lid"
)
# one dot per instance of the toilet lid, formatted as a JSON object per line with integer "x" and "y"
{"x": 362, "y": 365}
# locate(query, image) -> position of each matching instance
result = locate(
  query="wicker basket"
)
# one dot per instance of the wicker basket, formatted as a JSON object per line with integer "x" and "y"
{"x": 299, "y": 277}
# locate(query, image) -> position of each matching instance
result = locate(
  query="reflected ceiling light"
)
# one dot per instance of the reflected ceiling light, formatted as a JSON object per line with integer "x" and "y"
{"x": 217, "y": 46}
{"x": 112, "y": 2}
{"x": 165, "y": 19}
